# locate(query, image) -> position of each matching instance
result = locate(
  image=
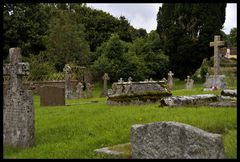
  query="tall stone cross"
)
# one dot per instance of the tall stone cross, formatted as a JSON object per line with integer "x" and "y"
{"x": 105, "y": 79}
{"x": 170, "y": 80}
{"x": 216, "y": 45}
{"x": 68, "y": 75}
{"x": 15, "y": 69}
{"x": 18, "y": 109}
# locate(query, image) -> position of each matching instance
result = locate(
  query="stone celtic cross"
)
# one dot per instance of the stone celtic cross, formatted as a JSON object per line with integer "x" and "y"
{"x": 216, "y": 45}
{"x": 18, "y": 109}
{"x": 16, "y": 69}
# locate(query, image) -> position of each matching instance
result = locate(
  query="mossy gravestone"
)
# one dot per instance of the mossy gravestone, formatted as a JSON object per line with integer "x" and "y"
{"x": 18, "y": 109}
{"x": 172, "y": 140}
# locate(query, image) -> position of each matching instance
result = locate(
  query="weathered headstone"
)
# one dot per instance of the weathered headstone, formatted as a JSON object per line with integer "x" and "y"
{"x": 216, "y": 81}
{"x": 105, "y": 79}
{"x": 52, "y": 96}
{"x": 68, "y": 75}
{"x": 172, "y": 140}
{"x": 130, "y": 80}
{"x": 170, "y": 80}
{"x": 79, "y": 90}
{"x": 18, "y": 109}
{"x": 189, "y": 83}
{"x": 89, "y": 90}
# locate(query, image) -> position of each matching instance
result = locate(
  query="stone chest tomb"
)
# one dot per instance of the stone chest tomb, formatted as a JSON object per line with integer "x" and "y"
{"x": 137, "y": 92}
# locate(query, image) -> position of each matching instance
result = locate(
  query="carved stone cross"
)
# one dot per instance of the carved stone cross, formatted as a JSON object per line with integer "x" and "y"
{"x": 216, "y": 45}
{"x": 105, "y": 79}
{"x": 16, "y": 69}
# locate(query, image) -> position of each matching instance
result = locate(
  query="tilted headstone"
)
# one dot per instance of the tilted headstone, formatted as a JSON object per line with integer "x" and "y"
{"x": 18, "y": 109}
{"x": 172, "y": 140}
{"x": 216, "y": 81}
{"x": 52, "y": 96}
{"x": 89, "y": 90}
{"x": 79, "y": 90}
{"x": 68, "y": 75}
{"x": 170, "y": 80}
{"x": 189, "y": 83}
{"x": 105, "y": 79}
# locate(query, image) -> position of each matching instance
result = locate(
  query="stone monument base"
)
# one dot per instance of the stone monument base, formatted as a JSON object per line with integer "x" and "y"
{"x": 216, "y": 81}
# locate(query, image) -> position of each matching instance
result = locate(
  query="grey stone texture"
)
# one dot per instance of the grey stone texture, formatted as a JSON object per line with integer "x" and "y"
{"x": 229, "y": 92}
{"x": 105, "y": 79}
{"x": 198, "y": 100}
{"x": 216, "y": 45}
{"x": 189, "y": 83}
{"x": 123, "y": 88}
{"x": 18, "y": 108}
{"x": 172, "y": 140}
{"x": 79, "y": 90}
{"x": 52, "y": 96}
{"x": 216, "y": 81}
{"x": 68, "y": 88}
{"x": 170, "y": 80}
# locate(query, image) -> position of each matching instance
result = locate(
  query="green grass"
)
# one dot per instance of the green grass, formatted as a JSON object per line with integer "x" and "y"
{"x": 75, "y": 131}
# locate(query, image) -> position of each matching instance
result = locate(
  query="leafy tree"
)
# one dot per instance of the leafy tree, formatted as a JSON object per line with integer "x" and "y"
{"x": 65, "y": 41}
{"x": 233, "y": 37}
{"x": 24, "y": 25}
{"x": 186, "y": 30}
{"x": 116, "y": 61}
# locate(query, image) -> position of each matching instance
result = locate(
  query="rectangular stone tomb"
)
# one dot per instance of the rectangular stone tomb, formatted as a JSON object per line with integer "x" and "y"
{"x": 172, "y": 140}
{"x": 137, "y": 92}
{"x": 52, "y": 96}
{"x": 229, "y": 92}
{"x": 201, "y": 100}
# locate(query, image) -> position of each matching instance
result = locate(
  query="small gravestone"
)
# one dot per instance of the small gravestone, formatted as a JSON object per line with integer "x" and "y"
{"x": 105, "y": 79}
{"x": 79, "y": 90}
{"x": 216, "y": 81}
{"x": 172, "y": 140}
{"x": 18, "y": 108}
{"x": 130, "y": 80}
{"x": 52, "y": 96}
{"x": 189, "y": 83}
{"x": 68, "y": 75}
{"x": 170, "y": 80}
{"x": 89, "y": 90}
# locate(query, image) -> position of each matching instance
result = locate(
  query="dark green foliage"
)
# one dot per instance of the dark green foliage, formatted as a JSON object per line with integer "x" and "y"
{"x": 24, "y": 25}
{"x": 186, "y": 30}
{"x": 65, "y": 41}
{"x": 233, "y": 37}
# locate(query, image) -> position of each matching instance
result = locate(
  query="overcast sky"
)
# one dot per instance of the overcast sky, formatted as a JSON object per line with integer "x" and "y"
{"x": 144, "y": 15}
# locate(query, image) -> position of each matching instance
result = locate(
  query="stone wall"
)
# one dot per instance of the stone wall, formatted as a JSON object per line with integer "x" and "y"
{"x": 35, "y": 85}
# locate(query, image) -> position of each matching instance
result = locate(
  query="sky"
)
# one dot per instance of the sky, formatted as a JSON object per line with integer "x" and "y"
{"x": 144, "y": 15}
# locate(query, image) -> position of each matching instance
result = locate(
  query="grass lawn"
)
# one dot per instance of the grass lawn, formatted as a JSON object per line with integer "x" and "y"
{"x": 75, "y": 131}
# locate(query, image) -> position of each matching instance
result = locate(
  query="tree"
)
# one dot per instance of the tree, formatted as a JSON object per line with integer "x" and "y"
{"x": 115, "y": 59}
{"x": 186, "y": 30}
{"x": 24, "y": 25}
{"x": 233, "y": 37}
{"x": 65, "y": 41}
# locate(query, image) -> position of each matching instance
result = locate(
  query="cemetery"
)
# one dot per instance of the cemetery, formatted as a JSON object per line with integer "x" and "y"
{"x": 73, "y": 108}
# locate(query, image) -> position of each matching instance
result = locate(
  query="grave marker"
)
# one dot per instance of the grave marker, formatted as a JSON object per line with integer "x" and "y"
{"x": 18, "y": 109}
